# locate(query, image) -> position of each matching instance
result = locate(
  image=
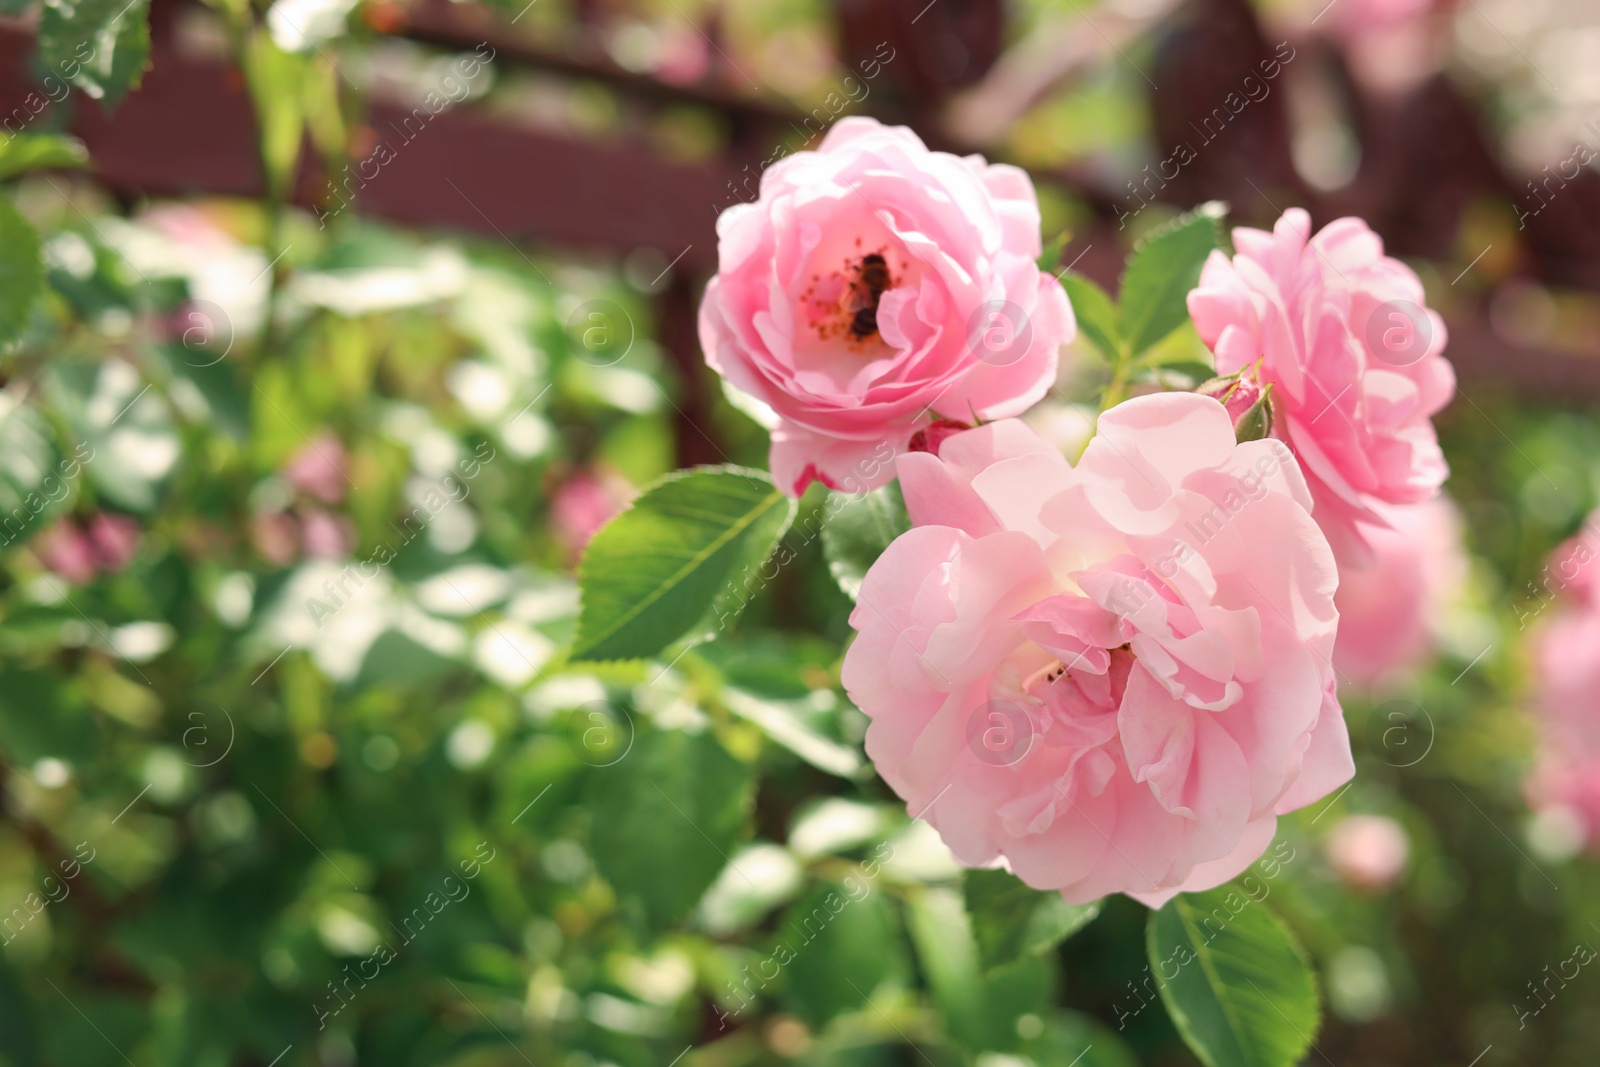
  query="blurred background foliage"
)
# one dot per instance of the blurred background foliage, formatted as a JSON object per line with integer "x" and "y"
{"x": 282, "y": 647}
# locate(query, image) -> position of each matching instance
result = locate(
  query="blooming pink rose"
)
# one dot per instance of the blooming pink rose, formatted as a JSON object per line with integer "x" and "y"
{"x": 1567, "y": 669}
{"x": 1341, "y": 332}
{"x": 874, "y": 287}
{"x": 1115, "y": 676}
{"x": 1368, "y": 851}
{"x": 1390, "y": 614}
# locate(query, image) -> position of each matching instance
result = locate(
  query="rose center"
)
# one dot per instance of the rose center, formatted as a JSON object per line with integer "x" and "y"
{"x": 842, "y": 304}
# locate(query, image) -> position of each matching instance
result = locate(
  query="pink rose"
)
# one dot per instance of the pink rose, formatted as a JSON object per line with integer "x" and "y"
{"x": 1341, "y": 332}
{"x": 1368, "y": 851}
{"x": 874, "y": 287}
{"x": 1112, "y": 677}
{"x": 1390, "y": 614}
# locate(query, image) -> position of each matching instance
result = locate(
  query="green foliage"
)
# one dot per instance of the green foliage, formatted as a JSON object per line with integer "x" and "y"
{"x": 691, "y": 544}
{"x": 101, "y": 46}
{"x": 859, "y": 528}
{"x": 666, "y": 816}
{"x": 1243, "y": 993}
{"x": 841, "y": 941}
{"x": 1096, "y": 314}
{"x": 21, "y": 271}
{"x": 1011, "y": 920}
{"x": 24, "y": 152}
{"x": 1160, "y": 274}
{"x": 28, "y": 461}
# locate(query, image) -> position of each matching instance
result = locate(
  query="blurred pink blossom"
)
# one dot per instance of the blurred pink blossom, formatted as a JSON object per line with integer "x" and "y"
{"x": 1566, "y": 650}
{"x": 1368, "y": 851}
{"x": 276, "y": 535}
{"x": 78, "y": 552}
{"x": 113, "y": 539}
{"x": 326, "y": 536}
{"x": 65, "y": 549}
{"x": 1390, "y": 615}
{"x": 584, "y": 503}
{"x": 319, "y": 469}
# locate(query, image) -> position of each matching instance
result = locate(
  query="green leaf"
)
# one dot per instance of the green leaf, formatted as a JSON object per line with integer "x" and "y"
{"x": 25, "y": 152}
{"x": 782, "y": 721}
{"x": 31, "y": 477}
{"x": 1072, "y": 1039}
{"x": 1195, "y": 371}
{"x": 1096, "y": 314}
{"x": 21, "y": 271}
{"x": 1234, "y": 980}
{"x": 1050, "y": 258}
{"x": 1010, "y": 920}
{"x": 656, "y": 569}
{"x": 838, "y": 943}
{"x": 101, "y": 46}
{"x": 859, "y": 528}
{"x": 666, "y": 818}
{"x": 276, "y": 79}
{"x": 1162, "y": 271}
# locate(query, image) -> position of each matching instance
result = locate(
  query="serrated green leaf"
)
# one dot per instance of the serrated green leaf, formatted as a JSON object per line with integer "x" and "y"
{"x": 665, "y": 819}
{"x": 21, "y": 271}
{"x": 26, "y": 152}
{"x": 1096, "y": 314}
{"x": 657, "y": 568}
{"x": 1233, "y": 978}
{"x": 101, "y": 46}
{"x": 1010, "y": 919}
{"x": 1162, "y": 271}
{"x": 858, "y": 529}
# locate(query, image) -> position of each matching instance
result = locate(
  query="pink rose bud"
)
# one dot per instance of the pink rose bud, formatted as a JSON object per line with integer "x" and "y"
{"x": 113, "y": 539}
{"x": 1246, "y": 402}
{"x": 929, "y": 438}
{"x": 319, "y": 469}
{"x": 874, "y": 282}
{"x": 1061, "y": 674}
{"x": 66, "y": 550}
{"x": 1368, "y": 851}
{"x": 1342, "y": 333}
